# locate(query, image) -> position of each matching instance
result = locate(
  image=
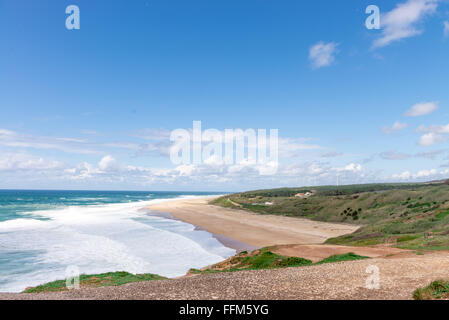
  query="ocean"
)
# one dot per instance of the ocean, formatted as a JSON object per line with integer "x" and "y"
{"x": 45, "y": 233}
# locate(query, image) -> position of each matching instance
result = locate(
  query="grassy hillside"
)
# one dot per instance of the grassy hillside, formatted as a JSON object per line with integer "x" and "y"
{"x": 414, "y": 216}
{"x": 96, "y": 280}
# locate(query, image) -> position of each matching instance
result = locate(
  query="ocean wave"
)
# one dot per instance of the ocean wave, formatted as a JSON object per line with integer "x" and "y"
{"x": 103, "y": 238}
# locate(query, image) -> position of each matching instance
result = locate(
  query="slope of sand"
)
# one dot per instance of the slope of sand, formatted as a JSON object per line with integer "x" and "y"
{"x": 250, "y": 228}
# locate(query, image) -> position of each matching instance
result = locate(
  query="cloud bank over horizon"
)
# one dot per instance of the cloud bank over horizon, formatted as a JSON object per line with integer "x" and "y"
{"x": 301, "y": 163}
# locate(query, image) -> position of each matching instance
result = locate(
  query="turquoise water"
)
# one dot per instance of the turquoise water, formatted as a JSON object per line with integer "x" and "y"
{"x": 43, "y": 233}
{"x": 16, "y": 204}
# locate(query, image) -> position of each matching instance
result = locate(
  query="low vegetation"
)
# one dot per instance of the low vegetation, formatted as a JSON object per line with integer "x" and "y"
{"x": 438, "y": 289}
{"x": 256, "y": 260}
{"x": 342, "y": 257}
{"x": 96, "y": 280}
{"x": 266, "y": 259}
{"x": 409, "y": 216}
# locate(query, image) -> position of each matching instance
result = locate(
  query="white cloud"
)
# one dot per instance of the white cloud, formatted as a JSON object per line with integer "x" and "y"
{"x": 185, "y": 169}
{"x": 406, "y": 175}
{"x": 433, "y": 134}
{"x": 421, "y": 175}
{"x": 4, "y": 132}
{"x": 353, "y": 167}
{"x": 153, "y": 134}
{"x": 111, "y": 174}
{"x": 393, "y": 155}
{"x": 323, "y": 54}
{"x": 402, "y": 21}
{"x": 13, "y": 139}
{"x": 397, "y": 126}
{"x": 108, "y": 173}
{"x": 89, "y": 132}
{"x": 291, "y": 148}
{"x": 430, "y": 139}
{"x": 425, "y": 173}
{"x": 160, "y": 143}
{"x": 23, "y": 161}
{"x": 332, "y": 154}
{"x": 440, "y": 129}
{"x": 421, "y": 109}
{"x": 107, "y": 163}
{"x": 429, "y": 155}
{"x": 82, "y": 171}
{"x": 446, "y": 29}
{"x": 18, "y": 140}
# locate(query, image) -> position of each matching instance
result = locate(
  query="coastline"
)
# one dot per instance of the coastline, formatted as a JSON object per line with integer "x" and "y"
{"x": 96, "y": 216}
{"x": 237, "y": 245}
{"x": 233, "y": 227}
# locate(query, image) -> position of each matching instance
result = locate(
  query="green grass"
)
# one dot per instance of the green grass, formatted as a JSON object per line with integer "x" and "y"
{"x": 335, "y": 190}
{"x": 269, "y": 260}
{"x": 266, "y": 259}
{"x": 342, "y": 257}
{"x": 259, "y": 259}
{"x": 436, "y": 290}
{"x": 440, "y": 216}
{"x": 96, "y": 280}
{"x": 412, "y": 216}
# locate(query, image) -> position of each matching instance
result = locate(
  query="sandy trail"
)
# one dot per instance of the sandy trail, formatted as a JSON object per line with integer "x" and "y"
{"x": 253, "y": 229}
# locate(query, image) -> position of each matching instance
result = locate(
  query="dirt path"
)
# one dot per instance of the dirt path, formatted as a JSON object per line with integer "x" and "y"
{"x": 346, "y": 280}
{"x": 250, "y": 228}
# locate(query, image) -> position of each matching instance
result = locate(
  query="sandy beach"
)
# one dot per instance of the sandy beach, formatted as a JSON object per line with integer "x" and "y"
{"x": 250, "y": 228}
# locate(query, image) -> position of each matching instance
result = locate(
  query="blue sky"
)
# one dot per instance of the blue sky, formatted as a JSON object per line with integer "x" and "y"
{"x": 93, "y": 108}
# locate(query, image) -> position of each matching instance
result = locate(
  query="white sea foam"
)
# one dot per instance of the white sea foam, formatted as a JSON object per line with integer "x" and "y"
{"x": 103, "y": 238}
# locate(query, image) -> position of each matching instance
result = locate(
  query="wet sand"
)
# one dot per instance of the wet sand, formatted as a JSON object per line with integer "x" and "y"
{"x": 237, "y": 245}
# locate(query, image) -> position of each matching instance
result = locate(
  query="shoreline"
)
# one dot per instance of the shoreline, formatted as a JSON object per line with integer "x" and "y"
{"x": 243, "y": 228}
{"x": 237, "y": 245}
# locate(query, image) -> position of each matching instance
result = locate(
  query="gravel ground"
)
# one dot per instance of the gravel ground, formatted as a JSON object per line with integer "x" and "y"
{"x": 346, "y": 280}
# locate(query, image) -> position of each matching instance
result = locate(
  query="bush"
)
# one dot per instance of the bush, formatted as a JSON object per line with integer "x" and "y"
{"x": 435, "y": 290}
